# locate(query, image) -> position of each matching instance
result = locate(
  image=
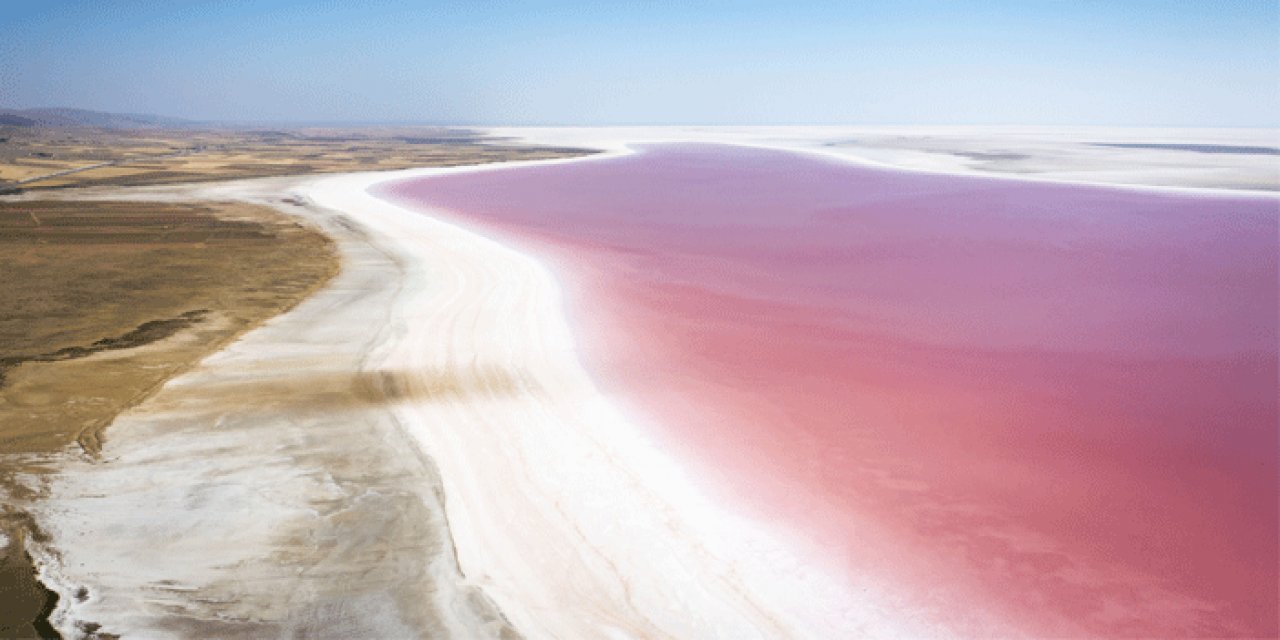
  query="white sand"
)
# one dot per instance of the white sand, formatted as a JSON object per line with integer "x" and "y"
{"x": 563, "y": 512}
{"x": 250, "y": 497}
{"x": 1057, "y": 154}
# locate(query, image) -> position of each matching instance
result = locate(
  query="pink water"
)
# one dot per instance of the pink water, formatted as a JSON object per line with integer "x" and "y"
{"x": 1047, "y": 406}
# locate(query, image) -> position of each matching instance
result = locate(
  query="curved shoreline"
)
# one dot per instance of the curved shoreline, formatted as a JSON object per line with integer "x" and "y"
{"x": 342, "y": 470}
{"x": 594, "y": 500}
{"x": 267, "y": 491}
{"x": 621, "y": 140}
{"x": 424, "y": 419}
{"x": 611, "y": 227}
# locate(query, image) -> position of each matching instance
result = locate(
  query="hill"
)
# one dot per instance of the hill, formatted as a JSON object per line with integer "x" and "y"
{"x": 65, "y": 117}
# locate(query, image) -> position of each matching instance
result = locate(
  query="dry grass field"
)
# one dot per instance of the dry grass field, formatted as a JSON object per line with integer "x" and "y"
{"x": 103, "y": 302}
{"x": 88, "y": 284}
{"x": 51, "y": 157}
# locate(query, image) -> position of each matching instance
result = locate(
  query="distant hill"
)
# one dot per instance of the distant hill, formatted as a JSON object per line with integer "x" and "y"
{"x": 63, "y": 117}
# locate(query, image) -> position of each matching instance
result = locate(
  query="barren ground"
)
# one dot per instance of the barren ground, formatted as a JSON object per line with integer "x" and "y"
{"x": 103, "y": 302}
{"x": 49, "y": 158}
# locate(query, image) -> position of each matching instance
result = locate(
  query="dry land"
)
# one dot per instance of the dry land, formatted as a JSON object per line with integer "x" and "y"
{"x": 103, "y": 302}
{"x": 47, "y": 158}
{"x": 1232, "y": 159}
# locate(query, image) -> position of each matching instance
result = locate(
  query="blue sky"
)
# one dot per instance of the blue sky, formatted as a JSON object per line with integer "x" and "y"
{"x": 1141, "y": 62}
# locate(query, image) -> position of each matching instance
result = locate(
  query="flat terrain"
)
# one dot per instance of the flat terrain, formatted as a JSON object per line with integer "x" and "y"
{"x": 1232, "y": 159}
{"x": 886, "y": 342}
{"x": 52, "y": 157}
{"x": 105, "y": 278}
{"x": 1206, "y": 158}
{"x": 103, "y": 302}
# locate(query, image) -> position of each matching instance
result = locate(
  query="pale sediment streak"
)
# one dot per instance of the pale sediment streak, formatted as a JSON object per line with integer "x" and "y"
{"x": 416, "y": 451}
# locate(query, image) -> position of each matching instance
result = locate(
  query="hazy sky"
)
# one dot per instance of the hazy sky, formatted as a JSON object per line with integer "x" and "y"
{"x": 1175, "y": 62}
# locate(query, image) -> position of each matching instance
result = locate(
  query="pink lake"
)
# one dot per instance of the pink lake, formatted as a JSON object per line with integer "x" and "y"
{"x": 1052, "y": 406}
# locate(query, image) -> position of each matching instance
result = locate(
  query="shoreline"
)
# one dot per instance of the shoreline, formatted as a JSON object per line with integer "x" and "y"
{"x": 494, "y": 205}
{"x": 554, "y": 417}
{"x": 99, "y": 344}
{"x": 604, "y": 505}
{"x": 274, "y": 500}
{"x": 622, "y": 140}
{"x": 623, "y": 545}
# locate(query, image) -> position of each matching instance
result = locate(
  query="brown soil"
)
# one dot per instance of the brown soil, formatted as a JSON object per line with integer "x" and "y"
{"x": 150, "y": 157}
{"x": 100, "y": 304}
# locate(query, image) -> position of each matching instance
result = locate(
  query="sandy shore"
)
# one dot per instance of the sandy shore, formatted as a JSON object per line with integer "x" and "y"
{"x": 561, "y": 509}
{"x": 414, "y": 451}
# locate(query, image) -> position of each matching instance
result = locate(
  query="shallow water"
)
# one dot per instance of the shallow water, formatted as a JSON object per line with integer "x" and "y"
{"x": 1052, "y": 404}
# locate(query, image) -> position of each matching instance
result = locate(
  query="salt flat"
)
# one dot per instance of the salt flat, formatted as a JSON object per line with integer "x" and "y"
{"x": 1230, "y": 159}
{"x": 268, "y": 491}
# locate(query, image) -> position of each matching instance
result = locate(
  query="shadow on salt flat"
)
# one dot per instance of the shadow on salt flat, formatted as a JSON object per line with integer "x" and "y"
{"x": 328, "y": 391}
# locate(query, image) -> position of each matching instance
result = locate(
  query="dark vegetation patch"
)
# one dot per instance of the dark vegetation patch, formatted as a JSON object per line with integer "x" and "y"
{"x": 41, "y": 624}
{"x": 144, "y": 333}
{"x": 25, "y": 602}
